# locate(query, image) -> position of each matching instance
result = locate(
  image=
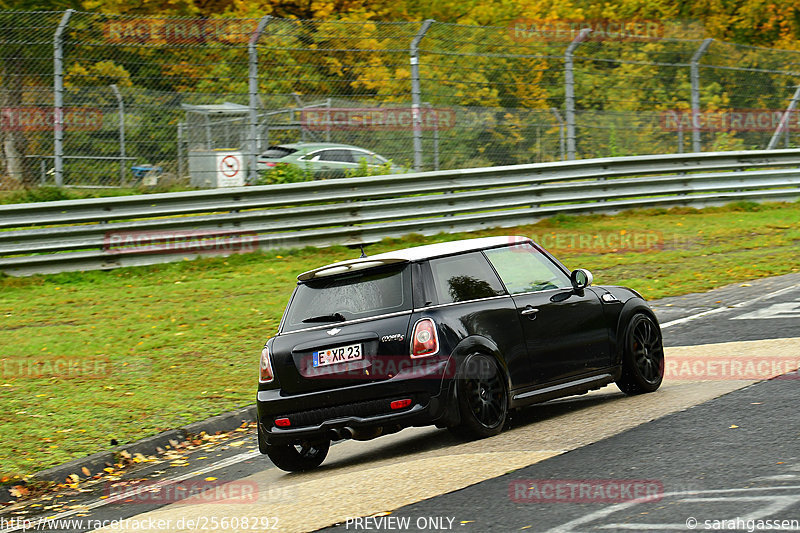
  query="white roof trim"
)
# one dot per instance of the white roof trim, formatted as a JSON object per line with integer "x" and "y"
{"x": 416, "y": 253}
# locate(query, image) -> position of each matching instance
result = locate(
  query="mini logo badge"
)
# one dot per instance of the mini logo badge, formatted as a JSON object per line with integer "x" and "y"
{"x": 333, "y": 331}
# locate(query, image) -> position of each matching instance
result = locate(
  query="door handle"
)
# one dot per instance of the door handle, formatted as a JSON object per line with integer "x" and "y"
{"x": 529, "y": 312}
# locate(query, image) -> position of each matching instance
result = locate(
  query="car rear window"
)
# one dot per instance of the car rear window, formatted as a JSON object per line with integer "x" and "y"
{"x": 357, "y": 295}
{"x": 277, "y": 152}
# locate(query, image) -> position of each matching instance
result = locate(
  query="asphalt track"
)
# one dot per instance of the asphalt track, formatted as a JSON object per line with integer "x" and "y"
{"x": 716, "y": 442}
{"x": 701, "y": 468}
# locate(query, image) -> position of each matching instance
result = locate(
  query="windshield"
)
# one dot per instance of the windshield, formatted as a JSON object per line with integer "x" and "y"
{"x": 358, "y": 295}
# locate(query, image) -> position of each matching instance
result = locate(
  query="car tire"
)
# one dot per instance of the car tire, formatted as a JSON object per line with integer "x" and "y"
{"x": 642, "y": 356}
{"x": 481, "y": 397}
{"x": 306, "y": 455}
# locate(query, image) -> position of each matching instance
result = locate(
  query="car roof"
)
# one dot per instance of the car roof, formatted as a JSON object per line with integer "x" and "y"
{"x": 407, "y": 255}
{"x": 319, "y": 146}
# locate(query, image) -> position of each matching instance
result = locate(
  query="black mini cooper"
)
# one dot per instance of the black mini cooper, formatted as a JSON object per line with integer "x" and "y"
{"x": 453, "y": 334}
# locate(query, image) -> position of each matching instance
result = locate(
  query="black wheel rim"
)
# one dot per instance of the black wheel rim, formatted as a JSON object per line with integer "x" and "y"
{"x": 485, "y": 392}
{"x": 648, "y": 353}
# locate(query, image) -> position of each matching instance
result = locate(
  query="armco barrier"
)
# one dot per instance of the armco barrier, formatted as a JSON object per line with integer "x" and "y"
{"x": 114, "y": 232}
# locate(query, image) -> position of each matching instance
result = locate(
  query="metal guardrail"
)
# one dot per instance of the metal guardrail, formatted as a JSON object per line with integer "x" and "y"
{"x": 106, "y": 233}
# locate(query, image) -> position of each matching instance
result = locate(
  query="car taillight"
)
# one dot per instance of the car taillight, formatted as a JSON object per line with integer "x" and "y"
{"x": 424, "y": 342}
{"x": 265, "y": 367}
{"x": 400, "y": 404}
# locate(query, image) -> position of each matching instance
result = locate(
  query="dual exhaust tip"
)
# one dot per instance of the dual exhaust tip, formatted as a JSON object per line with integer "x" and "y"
{"x": 362, "y": 434}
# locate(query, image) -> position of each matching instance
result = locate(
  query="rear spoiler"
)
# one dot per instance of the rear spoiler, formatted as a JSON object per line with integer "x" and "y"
{"x": 352, "y": 265}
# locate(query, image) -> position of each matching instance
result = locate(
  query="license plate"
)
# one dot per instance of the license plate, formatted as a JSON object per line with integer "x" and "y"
{"x": 342, "y": 354}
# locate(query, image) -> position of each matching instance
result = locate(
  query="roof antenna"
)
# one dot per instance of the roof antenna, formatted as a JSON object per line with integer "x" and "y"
{"x": 363, "y": 253}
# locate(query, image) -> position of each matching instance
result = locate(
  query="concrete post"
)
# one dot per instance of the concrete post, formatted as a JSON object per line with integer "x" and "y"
{"x": 253, "y": 141}
{"x": 416, "y": 93}
{"x": 569, "y": 90}
{"x": 58, "y": 98}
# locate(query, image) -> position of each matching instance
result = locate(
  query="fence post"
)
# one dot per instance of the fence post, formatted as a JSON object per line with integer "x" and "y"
{"x": 569, "y": 91}
{"x": 121, "y": 111}
{"x": 252, "y": 77}
{"x": 695, "y": 74}
{"x": 58, "y": 97}
{"x": 773, "y": 142}
{"x": 416, "y": 93}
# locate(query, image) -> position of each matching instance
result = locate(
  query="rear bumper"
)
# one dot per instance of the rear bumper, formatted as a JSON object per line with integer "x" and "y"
{"x": 322, "y": 414}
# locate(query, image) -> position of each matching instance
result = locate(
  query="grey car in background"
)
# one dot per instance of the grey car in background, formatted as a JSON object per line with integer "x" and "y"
{"x": 324, "y": 160}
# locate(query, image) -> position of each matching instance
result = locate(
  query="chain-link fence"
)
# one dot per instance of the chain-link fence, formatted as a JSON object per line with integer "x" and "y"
{"x": 99, "y": 100}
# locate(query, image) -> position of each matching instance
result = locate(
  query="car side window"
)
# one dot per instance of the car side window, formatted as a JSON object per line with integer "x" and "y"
{"x": 340, "y": 156}
{"x": 464, "y": 277}
{"x": 313, "y": 156}
{"x": 371, "y": 159}
{"x": 523, "y": 269}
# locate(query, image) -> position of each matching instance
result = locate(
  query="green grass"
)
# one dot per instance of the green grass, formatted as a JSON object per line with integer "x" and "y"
{"x": 52, "y": 194}
{"x": 157, "y": 347}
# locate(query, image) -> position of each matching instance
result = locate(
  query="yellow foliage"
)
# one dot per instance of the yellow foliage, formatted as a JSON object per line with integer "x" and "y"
{"x": 102, "y": 73}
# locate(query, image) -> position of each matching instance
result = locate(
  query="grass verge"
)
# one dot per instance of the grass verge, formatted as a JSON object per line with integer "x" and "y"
{"x": 95, "y": 356}
{"x": 53, "y": 194}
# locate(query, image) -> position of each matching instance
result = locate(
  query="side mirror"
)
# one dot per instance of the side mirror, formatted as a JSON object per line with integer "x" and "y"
{"x": 581, "y": 279}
